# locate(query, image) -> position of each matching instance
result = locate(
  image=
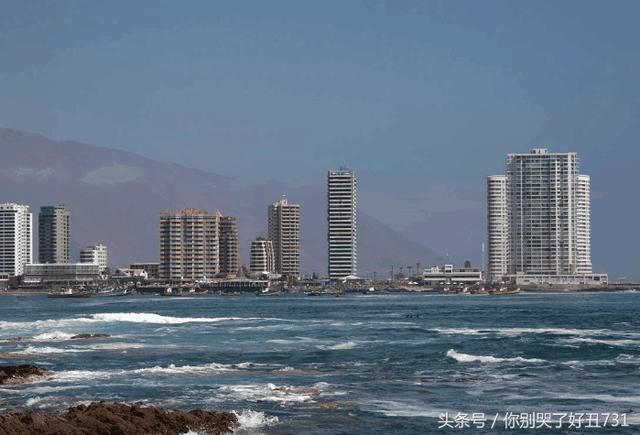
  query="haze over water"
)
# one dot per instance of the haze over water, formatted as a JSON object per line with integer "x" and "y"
{"x": 356, "y": 364}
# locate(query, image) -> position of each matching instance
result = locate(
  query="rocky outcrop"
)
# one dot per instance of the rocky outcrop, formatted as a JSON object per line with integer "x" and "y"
{"x": 117, "y": 418}
{"x": 14, "y": 375}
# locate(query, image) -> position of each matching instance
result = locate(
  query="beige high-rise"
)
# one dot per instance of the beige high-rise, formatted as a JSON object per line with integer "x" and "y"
{"x": 284, "y": 232}
{"x": 189, "y": 243}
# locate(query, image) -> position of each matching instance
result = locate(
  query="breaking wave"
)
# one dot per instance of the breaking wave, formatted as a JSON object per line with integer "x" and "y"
{"x": 172, "y": 369}
{"x": 464, "y": 358}
{"x": 251, "y": 420}
{"x": 123, "y": 317}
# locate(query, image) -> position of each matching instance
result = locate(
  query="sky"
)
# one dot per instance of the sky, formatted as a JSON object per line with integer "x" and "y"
{"x": 423, "y": 99}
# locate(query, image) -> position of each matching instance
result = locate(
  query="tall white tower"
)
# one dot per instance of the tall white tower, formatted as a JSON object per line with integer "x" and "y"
{"x": 498, "y": 228}
{"x": 548, "y": 222}
{"x": 16, "y": 242}
{"x": 342, "y": 223}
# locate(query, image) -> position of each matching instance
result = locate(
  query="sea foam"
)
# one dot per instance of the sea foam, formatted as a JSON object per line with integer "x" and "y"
{"x": 464, "y": 358}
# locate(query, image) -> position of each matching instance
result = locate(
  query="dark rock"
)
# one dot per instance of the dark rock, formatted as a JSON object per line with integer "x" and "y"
{"x": 11, "y": 375}
{"x": 117, "y": 418}
{"x": 82, "y": 336}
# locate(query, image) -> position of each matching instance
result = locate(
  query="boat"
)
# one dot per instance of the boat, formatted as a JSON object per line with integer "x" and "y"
{"x": 112, "y": 292}
{"x": 229, "y": 293}
{"x": 269, "y": 292}
{"x": 503, "y": 291}
{"x": 70, "y": 293}
{"x": 189, "y": 291}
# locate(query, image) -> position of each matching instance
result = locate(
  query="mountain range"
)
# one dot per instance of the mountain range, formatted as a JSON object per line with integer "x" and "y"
{"x": 115, "y": 197}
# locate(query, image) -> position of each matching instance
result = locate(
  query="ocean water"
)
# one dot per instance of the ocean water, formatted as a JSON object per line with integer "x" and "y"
{"x": 359, "y": 364}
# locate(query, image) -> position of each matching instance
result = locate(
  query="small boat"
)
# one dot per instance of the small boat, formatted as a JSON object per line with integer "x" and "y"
{"x": 503, "y": 291}
{"x": 230, "y": 293}
{"x": 112, "y": 292}
{"x": 179, "y": 292}
{"x": 70, "y": 293}
{"x": 269, "y": 292}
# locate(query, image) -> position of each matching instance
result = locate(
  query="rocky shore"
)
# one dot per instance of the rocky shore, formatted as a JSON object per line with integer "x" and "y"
{"x": 16, "y": 375}
{"x": 117, "y": 418}
{"x": 105, "y": 417}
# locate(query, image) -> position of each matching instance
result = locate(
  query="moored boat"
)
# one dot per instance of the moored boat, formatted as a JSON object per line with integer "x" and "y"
{"x": 70, "y": 293}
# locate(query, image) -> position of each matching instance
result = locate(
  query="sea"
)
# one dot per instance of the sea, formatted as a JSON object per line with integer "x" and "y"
{"x": 359, "y": 364}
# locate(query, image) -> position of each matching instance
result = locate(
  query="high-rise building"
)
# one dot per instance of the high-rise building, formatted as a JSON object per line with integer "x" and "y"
{"x": 583, "y": 224}
{"x": 96, "y": 254}
{"x": 16, "y": 247}
{"x": 54, "y": 234}
{"x": 262, "y": 257}
{"x": 547, "y": 217}
{"x": 498, "y": 227}
{"x": 284, "y": 232}
{"x": 229, "y": 246}
{"x": 189, "y": 245}
{"x": 342, "y": 224}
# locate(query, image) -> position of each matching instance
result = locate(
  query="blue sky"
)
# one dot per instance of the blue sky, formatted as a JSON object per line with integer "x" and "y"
{"x": 423, "y": 98}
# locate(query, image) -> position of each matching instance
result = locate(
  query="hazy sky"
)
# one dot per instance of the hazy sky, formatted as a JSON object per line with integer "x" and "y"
{"x": 422, "y": 98}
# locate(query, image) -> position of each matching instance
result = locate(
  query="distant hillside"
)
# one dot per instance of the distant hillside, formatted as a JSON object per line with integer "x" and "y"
{"x": 115, "y": 196}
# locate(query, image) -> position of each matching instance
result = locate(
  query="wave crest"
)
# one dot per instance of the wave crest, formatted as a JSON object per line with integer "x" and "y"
{"x": 465, "y": 357}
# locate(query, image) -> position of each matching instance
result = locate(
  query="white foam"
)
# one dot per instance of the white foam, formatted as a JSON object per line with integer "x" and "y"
{"x": 269, "y": 393}
{"x": 34, "y": 400}
{"x": 391, "y": 408}
{"x": 249, "y": 419}
{"x": 339, "y": 346}
{"x": 172, "y": 369}
{"x": 32, "y": 350}
{"x": 125, "y": 317}
{"x": 464, "y": 358}
{"x": 624, "y": 342}
{"x": 53, "y": 336}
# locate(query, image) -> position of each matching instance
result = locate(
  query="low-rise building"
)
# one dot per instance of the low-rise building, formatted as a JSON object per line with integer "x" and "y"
{"x": 96, "y": 254}
{"x": 449, "y": 275}
{"x": 60, "y": 273}
{"x": 152, "y": 269}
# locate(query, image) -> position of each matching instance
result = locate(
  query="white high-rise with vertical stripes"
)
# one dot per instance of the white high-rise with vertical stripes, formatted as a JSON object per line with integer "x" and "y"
{"x": 342, "y": 223}
{"x": 539, "y": 219}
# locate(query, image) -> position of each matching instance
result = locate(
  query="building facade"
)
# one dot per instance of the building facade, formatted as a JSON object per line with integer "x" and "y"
{"x": 284, "y": 233}
{"x": 16, "y": 246}
{"x": 54, "y": 235}
{"x": 229, "y": 246}
{"x": 262, "y": 257}
{"x": 342, "y": 223}
{"x": 547, "y": 203}
{"x": 189, "y": 245}
{"x": 96, "y": 254}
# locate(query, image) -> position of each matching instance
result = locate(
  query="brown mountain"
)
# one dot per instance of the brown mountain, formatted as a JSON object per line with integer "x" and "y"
{"x": 115, "y": 196}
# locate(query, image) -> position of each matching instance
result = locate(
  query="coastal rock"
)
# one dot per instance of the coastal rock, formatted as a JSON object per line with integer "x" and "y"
{"x": 117, "y": 418}
{"x": 84, "y": 336}
{"x": 13, "y": 375}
